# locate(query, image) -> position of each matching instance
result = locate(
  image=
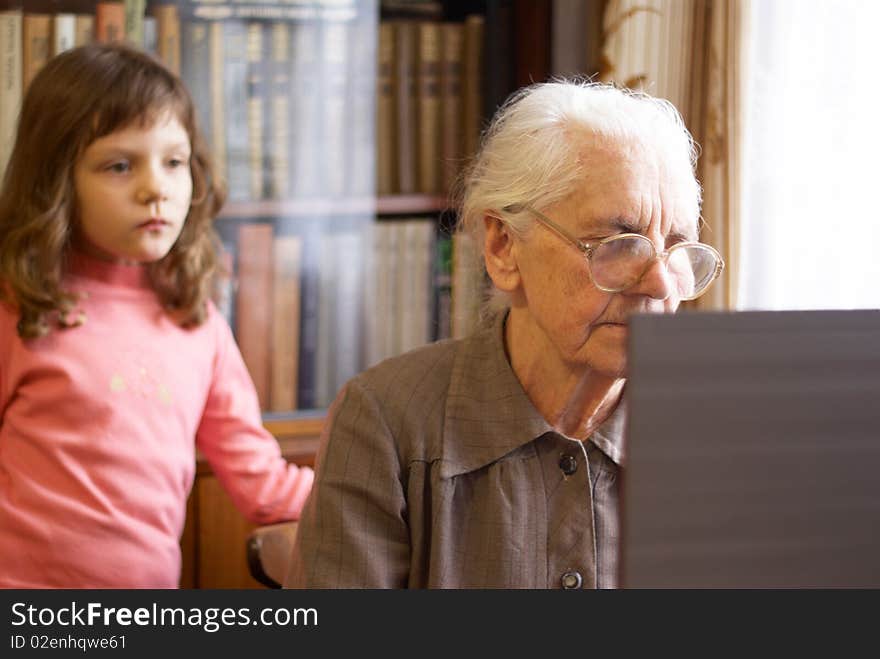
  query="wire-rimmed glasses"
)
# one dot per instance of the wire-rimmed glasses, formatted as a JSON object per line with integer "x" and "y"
{"x": 620, "y": 261}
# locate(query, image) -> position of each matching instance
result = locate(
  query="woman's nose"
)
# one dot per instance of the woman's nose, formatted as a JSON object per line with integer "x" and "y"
{"x": 656, "y": 281}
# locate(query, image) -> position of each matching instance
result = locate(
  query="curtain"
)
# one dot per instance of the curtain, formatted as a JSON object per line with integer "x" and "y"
{"x": 693, "y": 53}
{"x": 811, "y": 227}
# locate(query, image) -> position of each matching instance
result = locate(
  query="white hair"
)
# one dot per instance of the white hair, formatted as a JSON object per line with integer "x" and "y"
{"x": 530, "y": 153}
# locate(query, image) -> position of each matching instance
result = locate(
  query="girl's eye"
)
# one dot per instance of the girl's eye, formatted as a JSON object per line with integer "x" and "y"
{"x": 174, "y": 163}
{"x": 118, "y": 167}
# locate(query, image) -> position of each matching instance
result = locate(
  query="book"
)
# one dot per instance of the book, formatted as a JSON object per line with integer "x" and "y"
{"x": 442, "y": 293}
{"x": 375, "y": 292}
{"x": 11, "y": 68}
{"x": 257, "y": 95}
{"x": 109, "y": 21}
{"x": 253, "y": 309}
{"x": 468, "y": 285}
{"x": 151, "y": 38}
{"x": 84, "y": 30}
{"x": 285, "y": 323}
{"x": 334, "y": 55}
{"x": 348, "y": 315}
{"x": 386, "y": 135}
{"x": 168, "y": 35}
{"x": 327, "y": 347}
{"x": 310, "y": 302}
{"x": 279, "y": 121}
{"x": 235, "y": 102}
{"x": 63, "y": 32}
{"x": 134, "y": 21}
{"x": 195, "y": 69}
{"x": 305, "y": 109}
{"x": 405, "y": 36}
{"x": 216, "y": 129}
{"x": 361, "y": 145}
{"x": 472, "y": 84}
{"x": 428, "y": 106}
{"x": 36, "y": 45}
{"x": 414, "y": 260}
{"x": 451, "y": 137}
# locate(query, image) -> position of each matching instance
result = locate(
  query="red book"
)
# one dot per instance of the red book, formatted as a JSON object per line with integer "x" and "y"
{"x": 109, "y": 21}
{"x": 253, "y": 312}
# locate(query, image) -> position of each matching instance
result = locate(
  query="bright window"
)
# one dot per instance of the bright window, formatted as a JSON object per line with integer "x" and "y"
{"x": 811, "y": 213}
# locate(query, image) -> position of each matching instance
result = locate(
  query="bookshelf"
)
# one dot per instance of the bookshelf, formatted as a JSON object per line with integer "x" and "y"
{"x": 339, "y": 127}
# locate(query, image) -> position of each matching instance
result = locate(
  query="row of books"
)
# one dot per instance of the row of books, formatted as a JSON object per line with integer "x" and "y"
{"x": 313, "y": 305}
{"x": 429, "y": 102}
{"x": 33, "y": 32}
{"x": 285, "y": 93}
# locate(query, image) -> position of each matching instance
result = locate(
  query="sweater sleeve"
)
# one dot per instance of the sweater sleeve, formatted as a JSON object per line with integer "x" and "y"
{"x": 245, "y": 457}
{"x": 353, "y": 532}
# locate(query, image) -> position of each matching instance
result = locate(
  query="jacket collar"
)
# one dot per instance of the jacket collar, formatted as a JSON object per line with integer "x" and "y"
{"x": 488, "y": 414}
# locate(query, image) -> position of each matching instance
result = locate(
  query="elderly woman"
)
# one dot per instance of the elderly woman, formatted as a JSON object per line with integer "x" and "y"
{"x": 494, "y": 461}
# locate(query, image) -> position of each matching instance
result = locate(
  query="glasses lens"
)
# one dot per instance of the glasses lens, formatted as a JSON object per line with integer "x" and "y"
{"x": 620, "y": 262}
{"x": 692, "y": 268}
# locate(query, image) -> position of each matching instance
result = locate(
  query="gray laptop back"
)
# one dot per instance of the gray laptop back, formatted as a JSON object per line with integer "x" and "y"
{"x": 753, "y": 451}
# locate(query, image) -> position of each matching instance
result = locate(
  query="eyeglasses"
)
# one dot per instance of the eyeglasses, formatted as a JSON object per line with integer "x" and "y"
{"x": 618, "y": 262}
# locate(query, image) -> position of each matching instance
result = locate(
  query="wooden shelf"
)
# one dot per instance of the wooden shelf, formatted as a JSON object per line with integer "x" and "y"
{"x": 387, "y": 205}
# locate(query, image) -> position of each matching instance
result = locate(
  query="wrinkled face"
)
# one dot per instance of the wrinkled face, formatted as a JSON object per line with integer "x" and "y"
{"x": 133, "y": 191}
{"x": 630, "y": 187}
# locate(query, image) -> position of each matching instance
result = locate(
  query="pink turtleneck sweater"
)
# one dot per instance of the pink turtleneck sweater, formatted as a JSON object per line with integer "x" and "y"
{"x": 99, "y": 426}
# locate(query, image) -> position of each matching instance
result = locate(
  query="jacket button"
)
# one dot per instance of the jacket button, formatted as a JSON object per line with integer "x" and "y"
{"x": 568, "y": 464}
{"x": 572, "y": 580}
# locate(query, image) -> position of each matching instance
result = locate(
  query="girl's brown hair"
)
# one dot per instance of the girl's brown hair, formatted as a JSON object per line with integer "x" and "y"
{"x": 79, "y": 96}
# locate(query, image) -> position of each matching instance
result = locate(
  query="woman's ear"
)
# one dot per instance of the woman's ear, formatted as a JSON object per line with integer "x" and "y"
{"x": 499, "y": 252}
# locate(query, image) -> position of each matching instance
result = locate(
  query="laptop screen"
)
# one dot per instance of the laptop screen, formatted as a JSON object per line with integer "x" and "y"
{"x": 753, "y": 450}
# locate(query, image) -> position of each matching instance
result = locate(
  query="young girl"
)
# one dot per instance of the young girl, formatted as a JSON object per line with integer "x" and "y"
{"x": 112, "y": 357}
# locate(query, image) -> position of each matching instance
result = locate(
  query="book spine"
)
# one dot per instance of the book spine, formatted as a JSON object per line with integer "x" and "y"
{"x": 451, "y": 142}
{"x": 362, "y": 106}
{"x": 257, "y": 92}
{"x": 349, "y": 253}
{"x": 63, "y": 32}
{"x": 310, "y": 292}
{"x": 405, "y": 106}
{"x": 168, "y": 36}
{"x": 254, "y": 304}
{"x": 109, "y": 22}
{"x": 217, "y": 130}
{"x": 305, "y": 109}
{"x": 327, "y": 332}
{"x": 386, "y": 136}
{"x": 11, "y": 85}
{"x": 195, "y": 68}
{"x": 443, "y": 288}
{"x": 37, "y": 39}
{"x": 279, "y": 137}
{"x": 85, "y": 30}
{"x": 335, "y": 49}
{"x": 151, "y": 38}
{"x": 428, "y": 106}
{"x": 472, "y": 84}
{"x": 285, "y": 323}
{"x": 134, "y": 22}
{"x": 235, "y": 103}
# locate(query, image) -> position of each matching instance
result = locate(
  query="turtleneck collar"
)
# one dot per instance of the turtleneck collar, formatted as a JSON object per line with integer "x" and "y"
{"x": 108, "y": 272}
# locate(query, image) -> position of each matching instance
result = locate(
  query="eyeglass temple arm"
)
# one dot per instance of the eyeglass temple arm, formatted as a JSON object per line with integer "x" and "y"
{"x": 562, "y": 233}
